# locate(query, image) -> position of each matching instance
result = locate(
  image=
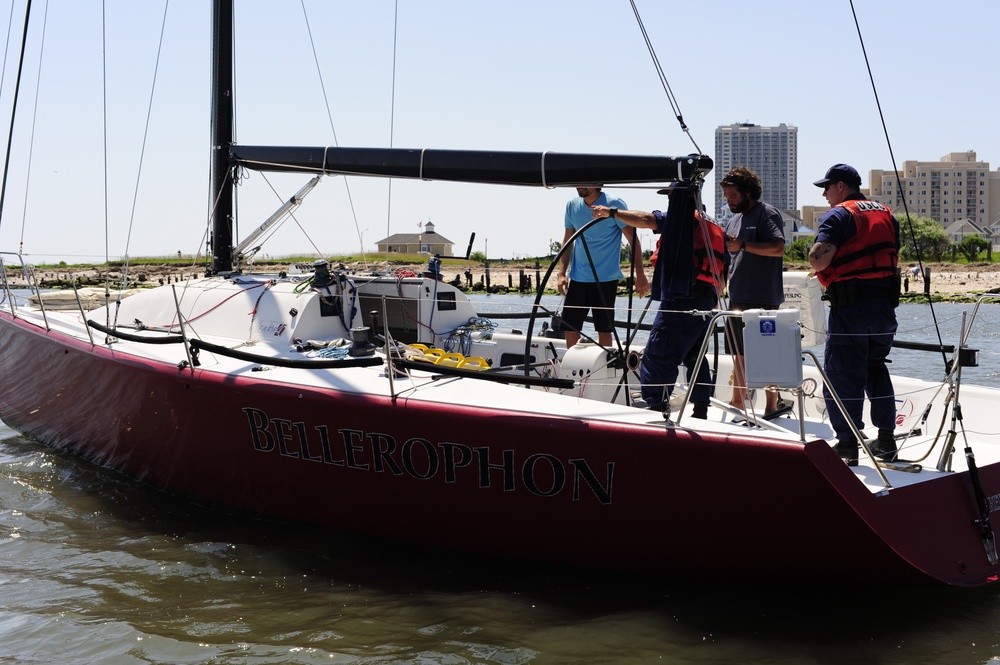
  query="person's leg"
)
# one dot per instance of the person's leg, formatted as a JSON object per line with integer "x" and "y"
{"x": 574, "y": 311}
{"x": 879, "y": 383}
{"x": 740, "y": 394}
{"x": 772, "y": 400}
{"x": 661, "y": 358}
{"x": 846, "y": 364}
{"x": 734, "y": 345}
{"x": 603, "y": 307}
{"x": 879, "y": 386}
{"x": 701, "y": 385}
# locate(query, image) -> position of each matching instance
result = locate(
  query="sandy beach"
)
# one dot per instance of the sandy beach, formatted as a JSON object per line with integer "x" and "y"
{"x": 958, "y": 281}
{"x": 947, "y": 279}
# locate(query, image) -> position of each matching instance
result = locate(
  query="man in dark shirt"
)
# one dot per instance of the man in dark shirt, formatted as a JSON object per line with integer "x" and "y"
{"x": 755, "y": 240}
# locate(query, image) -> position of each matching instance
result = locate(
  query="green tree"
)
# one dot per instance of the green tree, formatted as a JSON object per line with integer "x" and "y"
{"x": 798, "y": 249}
{"x": 923, "y": 234}
{"x": 972, "y": 247}
{"x": 554, "y": 247}
{"x": 478, "y": 257}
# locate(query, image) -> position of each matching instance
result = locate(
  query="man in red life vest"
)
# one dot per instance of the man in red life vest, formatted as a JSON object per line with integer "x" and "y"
{"x": 688, "y": 276}
{"x": 855, "y": 258}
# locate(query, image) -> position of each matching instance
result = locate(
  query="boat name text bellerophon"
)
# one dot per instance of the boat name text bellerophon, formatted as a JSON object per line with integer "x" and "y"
{"x": 541, "y": 474}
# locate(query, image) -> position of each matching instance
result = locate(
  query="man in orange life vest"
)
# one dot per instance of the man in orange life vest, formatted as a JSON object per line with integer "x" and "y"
{"x": 689, "y": 275}
{"x": 855, "y": 258}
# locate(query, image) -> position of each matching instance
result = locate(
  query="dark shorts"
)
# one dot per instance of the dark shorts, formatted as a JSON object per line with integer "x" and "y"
{"x": 583, "y": 296}
{"x": 734, "y": 324}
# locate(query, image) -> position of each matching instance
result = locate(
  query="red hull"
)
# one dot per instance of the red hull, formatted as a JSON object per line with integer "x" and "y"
{"x": 565, "y": 490}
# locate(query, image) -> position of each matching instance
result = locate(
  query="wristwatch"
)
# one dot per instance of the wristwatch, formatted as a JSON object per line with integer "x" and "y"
{"x": 612, "y": 212}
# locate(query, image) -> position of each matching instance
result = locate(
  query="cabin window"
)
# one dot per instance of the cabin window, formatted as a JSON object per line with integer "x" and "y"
{"x": 446, "y": 302}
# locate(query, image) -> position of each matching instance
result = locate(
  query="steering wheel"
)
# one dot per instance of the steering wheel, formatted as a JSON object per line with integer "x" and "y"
{"x": 621, "y": 357}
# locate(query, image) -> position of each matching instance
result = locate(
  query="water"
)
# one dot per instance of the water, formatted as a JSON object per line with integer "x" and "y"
{"x": 95, "y": 569}
{"x": 916, "y": 324}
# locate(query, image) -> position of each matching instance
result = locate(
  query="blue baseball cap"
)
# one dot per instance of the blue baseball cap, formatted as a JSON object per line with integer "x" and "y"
{"x": 840, "y": 173}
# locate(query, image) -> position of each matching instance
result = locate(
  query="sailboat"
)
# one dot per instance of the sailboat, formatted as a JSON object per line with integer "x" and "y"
{"x": 369, "y": 404}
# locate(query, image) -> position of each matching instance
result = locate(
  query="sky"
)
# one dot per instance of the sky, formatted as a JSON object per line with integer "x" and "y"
{"x": 559, "y": 75}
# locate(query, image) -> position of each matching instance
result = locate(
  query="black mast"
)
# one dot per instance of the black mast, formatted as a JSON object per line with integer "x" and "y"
{"x": 222, "y": 136}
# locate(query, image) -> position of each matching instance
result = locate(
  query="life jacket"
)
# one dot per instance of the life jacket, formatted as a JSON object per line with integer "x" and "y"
{"x": 709, "y": 261}
{"x": 871, "y": 253}
{"x": 709, "y": 265}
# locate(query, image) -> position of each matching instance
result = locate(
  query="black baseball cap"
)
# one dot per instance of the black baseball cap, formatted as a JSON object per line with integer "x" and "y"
{"x": 840, "y": 173}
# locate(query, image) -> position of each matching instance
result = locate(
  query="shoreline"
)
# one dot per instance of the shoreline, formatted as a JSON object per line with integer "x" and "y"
{"x": 948, "y": 280}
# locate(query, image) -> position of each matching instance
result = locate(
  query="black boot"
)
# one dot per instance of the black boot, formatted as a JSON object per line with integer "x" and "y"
{"x": 848, "y": 451}
{"x": 700, "y": 411}
{"x": 884, "y": 447}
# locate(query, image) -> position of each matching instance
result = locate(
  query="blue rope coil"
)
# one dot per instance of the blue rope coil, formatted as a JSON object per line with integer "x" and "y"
{"x": 460, "y": 339}
{"x": 335, "y": 352}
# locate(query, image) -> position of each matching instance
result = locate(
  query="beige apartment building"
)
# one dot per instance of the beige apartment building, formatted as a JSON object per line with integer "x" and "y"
{"x": 958, "y": 192}
{"x": 955, "y": 189}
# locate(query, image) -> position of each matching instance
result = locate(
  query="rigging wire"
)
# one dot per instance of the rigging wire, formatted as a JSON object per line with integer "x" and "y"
{"x": 142, "y": 151}
{"x": 899, "y": 182}
{"x": 291, "y": 215}
{"x": 392, "y": 125}
{"x": 10, "y": 24}
{"x": 104, "y": 146}
{"x": 34, "y": 120}
{"x": 333, "y": 130}
{"x": 13, "y": 109}
{"x": 6, "y": 52}
{"x": 675, "y": 107}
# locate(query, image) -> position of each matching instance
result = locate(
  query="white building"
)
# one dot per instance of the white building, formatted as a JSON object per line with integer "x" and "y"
{"x": 427, "y": 241}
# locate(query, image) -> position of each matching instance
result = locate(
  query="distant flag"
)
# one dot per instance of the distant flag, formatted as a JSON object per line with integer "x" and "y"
{"x": 420, "y": 225}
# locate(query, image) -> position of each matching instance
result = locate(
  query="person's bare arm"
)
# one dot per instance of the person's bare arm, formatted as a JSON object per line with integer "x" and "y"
{"x": 562, "y": 281}
{"x": 821, "y": 254}
{"x": 774, "y": 247}
{"x": 634, "y": 218}
{"x": 641, "y": 283}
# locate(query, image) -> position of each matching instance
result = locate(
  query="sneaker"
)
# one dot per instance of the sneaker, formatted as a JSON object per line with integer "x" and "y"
{"x": 848, "y": 451}
{"x": 884, "y": 447}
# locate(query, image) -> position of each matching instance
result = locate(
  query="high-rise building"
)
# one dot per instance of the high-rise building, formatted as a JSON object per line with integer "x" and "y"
{"x": 770, "y": 151}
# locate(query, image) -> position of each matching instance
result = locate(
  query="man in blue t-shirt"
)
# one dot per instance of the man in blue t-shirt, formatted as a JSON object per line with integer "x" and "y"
{"x": 592, "y": 283}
